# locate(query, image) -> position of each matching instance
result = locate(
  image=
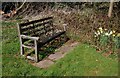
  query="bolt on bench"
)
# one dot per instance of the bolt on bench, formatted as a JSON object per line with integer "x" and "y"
{"x": 37, "y": 33}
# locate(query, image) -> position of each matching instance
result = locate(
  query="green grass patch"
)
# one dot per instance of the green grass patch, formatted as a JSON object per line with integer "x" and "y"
{"x": 84, "y": 61}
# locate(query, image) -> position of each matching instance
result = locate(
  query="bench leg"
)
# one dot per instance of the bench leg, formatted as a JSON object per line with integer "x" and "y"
{"x": 21, "y": 48}
{"x": 36, "y": 51}
{"x": 66, "y": 38}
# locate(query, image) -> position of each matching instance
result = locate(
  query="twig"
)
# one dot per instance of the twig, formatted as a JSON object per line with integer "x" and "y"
{"x": 21, "y": 6}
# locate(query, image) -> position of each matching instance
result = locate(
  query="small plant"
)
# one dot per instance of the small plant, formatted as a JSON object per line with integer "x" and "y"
{"x": 107, "y": 40}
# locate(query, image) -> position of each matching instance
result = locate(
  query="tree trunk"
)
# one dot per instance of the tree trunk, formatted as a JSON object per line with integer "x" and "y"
{"x": 110, "y": 8}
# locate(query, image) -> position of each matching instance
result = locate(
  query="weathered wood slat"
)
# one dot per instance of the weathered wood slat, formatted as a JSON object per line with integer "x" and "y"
{"x": 28, "y": 23}
{"x": 28, "y": 46}
{"x": 39, "y": 33}
{"x": 31, "y": 58}
{"x": 28, "y": 37}
{"x": 36, "y": 28}
{"x": 48, "y": 39}
{"x": 21, "y": 41}
{"x": 35, "y": 25}
{"x": 48, "y": 29}
{"x": 33, "y": 31}
{"x": 36, "y": 51}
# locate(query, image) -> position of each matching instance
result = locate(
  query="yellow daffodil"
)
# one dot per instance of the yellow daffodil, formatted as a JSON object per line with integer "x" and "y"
{"x": 118, "y": 34}
{"x": 101, "y": 31}
{"x": 95, "y": 36}
{"x": 107, "y": 34}
{"x": 105, "y": 29}
{"x": 113, "y": 31}
{"x": 113, "y": 35}
{"x": 100, "y": 28}
{"x": 98, "y": 32}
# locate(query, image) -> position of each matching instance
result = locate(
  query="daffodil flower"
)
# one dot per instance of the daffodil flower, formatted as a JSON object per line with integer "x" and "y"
{"x": 118, "y": 34}
{"x": 98, "y": 32}
{"x": 95, "y": 36}
{"x": 113, "y": 35}
{"x": 113, "y": 31}
{"x": 107, "y": 34}
{"x": 101, "y": 31}
{"x": 100, "y": 28}
{"x": 105, "y": 29}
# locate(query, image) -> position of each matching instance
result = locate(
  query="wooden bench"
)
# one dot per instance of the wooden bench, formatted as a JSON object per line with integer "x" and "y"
{"x": 37, "y": 33}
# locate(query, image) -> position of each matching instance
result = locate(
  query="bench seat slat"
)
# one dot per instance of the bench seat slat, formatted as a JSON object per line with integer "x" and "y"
{"x": 48, "y": 39}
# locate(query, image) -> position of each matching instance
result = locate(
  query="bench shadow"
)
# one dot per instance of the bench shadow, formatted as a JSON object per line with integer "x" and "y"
{"x": 51, "y": 47}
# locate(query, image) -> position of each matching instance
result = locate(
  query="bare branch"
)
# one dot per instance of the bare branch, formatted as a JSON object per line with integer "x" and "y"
{"x": 21, "y": 6}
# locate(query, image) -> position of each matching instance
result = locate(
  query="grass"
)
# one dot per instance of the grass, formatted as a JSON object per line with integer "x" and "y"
{"x": 82, "y": 61}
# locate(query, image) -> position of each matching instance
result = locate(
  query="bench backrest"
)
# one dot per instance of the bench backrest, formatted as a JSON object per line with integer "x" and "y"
{"x": 37, "y": 27}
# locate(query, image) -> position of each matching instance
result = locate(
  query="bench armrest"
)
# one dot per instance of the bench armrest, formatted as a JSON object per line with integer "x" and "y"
{"x": 28, "y": 37}
{"x": 64, "y": 25}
